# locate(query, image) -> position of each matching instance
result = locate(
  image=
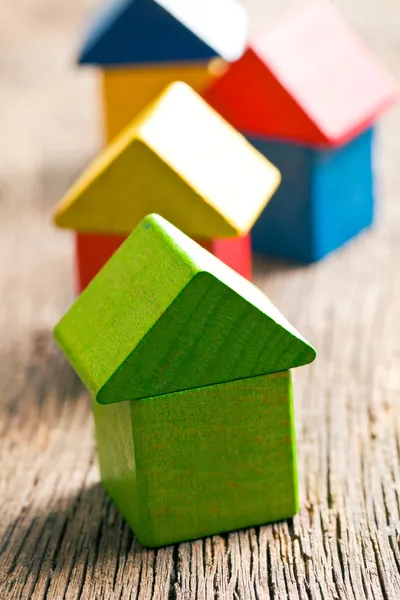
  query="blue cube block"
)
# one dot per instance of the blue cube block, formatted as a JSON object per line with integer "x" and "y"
{"x": 326, "y": 198}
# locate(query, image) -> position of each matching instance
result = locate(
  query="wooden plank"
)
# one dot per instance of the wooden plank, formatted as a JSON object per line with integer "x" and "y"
{"x": 178, "y": 159}
{"x": 165, "y": 315}
{"x": 59, "y": 534}
{"x": 203, "y": 461}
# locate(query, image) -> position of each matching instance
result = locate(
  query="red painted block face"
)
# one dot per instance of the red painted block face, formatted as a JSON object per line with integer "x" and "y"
{"x": 94, "y": 250}
{"x": 309, "y": 80}
{"x": 234, "y": 252}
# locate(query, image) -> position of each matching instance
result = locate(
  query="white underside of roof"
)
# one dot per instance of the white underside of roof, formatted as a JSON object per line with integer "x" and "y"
{"x": 221, "y": 24}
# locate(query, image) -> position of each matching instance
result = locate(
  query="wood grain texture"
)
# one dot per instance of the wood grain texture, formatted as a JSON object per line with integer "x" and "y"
{"x": 164, "y": 315}
{"x": 60, "y": 537}
{"x": 203, "y": 461}
{"x": 178, "y": 159}
{"x": 301, "y": 79}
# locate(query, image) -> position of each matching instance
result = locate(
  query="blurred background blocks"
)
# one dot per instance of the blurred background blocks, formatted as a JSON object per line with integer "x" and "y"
{"x": 306, "y": 94}
{"x": 180, "y": 159}
{"x": 143, "y": 45}
{"x": 325, "y": 199}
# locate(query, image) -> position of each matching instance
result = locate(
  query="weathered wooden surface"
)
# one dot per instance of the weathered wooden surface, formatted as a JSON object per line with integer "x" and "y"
{"x": 59, "y": 535}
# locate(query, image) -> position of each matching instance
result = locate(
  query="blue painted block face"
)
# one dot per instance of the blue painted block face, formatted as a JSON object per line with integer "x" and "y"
{"x": 137, "y": 32}
{"x": 140, "y": 31}
{"x": 326, "y": 198}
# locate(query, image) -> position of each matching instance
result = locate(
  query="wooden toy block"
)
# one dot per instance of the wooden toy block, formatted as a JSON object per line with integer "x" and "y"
{"x": 203, "y": 461}
{"x": 234, "y": 252}
{"x": 129, "y": 32}
{"x": 127, "y": 91}
{"x": 144, "y": 45}
{"x": 326, "y": 198}
{"x": 179, "y": 158}
{"x": 165, "y": 291}
{"x": 187, "y": 363}
{"x": 302, "y": 80}
{"x": 307, "y": 94}
{"x": 94, "y": 250}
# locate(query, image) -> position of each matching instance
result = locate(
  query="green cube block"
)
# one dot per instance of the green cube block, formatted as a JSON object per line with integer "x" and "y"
{"x": 202, "y": 461}
{"x": 188, "y": 366}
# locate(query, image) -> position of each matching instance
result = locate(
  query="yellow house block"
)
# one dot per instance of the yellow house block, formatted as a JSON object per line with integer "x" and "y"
{"x": 181, "y": 160}
{"x": 126, "y": 91}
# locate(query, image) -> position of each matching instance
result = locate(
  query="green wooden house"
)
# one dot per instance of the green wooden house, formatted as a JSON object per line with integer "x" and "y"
{"x": 188, "y": 367}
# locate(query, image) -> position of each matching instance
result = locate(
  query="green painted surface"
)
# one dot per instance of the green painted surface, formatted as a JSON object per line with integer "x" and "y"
{"x": 122, "y": 303}
{"x": 206, "y": 460}
{"x": 114, "y": 437}
{"x": 164, "y": 315}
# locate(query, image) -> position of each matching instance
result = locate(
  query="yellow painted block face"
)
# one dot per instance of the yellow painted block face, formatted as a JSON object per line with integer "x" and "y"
{"x": 178, "y": 159}
{"x": 127, "y": 91}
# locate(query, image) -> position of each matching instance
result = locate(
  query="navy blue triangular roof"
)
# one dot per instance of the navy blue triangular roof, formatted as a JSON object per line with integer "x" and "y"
{"x": 156, "y": 31}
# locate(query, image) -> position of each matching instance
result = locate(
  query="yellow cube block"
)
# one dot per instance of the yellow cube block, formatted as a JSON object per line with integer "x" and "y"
{"x": 126, "y": 91}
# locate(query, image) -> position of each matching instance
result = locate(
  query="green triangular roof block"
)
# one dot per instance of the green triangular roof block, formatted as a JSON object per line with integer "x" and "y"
{"x": 164, "y": 315}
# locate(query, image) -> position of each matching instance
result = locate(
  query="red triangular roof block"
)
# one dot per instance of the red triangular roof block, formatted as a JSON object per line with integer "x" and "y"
{"x": 310, "y": 79}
